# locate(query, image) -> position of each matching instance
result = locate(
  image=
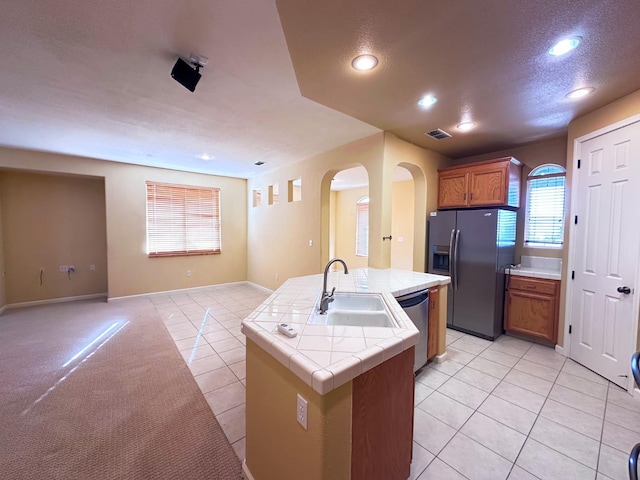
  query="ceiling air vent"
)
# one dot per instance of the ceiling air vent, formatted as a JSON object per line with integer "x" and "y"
{"x": 438, "y": 134}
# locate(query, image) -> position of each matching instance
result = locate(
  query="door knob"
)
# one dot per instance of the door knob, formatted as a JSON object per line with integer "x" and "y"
{"x": 625, "y": 290}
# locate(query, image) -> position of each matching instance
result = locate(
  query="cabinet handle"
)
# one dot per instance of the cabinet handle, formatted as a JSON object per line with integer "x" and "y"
{"x": 464, "y": 196}
{"x": 471, "y": 195}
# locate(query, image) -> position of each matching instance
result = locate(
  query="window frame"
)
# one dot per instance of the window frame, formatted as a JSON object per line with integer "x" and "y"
{"x": 360, "y": 211}
{"x": 178, "y": 214}
{"x": 531, "y": 178}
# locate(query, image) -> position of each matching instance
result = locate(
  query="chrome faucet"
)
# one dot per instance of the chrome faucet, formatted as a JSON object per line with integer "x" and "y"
{"x": 328, "y": 297}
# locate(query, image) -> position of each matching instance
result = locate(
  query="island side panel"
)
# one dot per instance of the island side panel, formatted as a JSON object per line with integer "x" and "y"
{"x": 442, "y": 322}
{"x": 383, "y": 420}
{"x": 277, "y": 447}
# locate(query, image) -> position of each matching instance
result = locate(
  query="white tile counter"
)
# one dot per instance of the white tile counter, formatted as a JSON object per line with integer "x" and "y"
{"x": 538, "y": 267}
{"x": 327, "y": 356}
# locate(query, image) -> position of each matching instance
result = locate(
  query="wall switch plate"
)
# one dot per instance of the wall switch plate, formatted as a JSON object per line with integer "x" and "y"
{"x": 64, "y": 268}
{"x": 301, "y": 411}
{"x": 92, "y": 267}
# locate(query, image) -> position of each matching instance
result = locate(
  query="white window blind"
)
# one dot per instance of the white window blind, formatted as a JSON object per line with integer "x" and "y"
{"x": 544, "y": 225}
{"x": 182, "y": 220}
{"x": 362, "y": 227}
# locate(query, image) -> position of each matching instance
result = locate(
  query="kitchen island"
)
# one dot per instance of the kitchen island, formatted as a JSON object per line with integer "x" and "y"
{"x": 357, "y": 382}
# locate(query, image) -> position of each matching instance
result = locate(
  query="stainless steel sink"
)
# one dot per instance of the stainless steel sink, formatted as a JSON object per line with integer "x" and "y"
{"x": 356, "y": 310}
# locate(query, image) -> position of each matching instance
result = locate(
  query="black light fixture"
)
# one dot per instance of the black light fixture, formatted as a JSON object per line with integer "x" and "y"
{"x": 185, "y": 74}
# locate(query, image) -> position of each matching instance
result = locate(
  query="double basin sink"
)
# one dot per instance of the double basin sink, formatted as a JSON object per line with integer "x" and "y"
{"x": 356, "y": 310}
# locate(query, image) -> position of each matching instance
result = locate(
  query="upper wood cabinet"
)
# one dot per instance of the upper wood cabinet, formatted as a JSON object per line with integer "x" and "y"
{"x": 494, "y": 183}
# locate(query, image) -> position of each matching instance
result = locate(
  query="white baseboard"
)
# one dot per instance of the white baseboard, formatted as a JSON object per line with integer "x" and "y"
{"x": 245, "y": 471}
{"x": 441, "y": 358}
{"x": 2, "y": 309}
{"x": 259, "y": 287}
{"x": 181, "y": 290}
{"x": 53, "y": 300}
{"x": 561, "y": 350}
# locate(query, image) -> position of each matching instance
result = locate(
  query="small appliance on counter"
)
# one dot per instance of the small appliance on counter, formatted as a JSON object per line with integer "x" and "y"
{"x": 473, "y": 247}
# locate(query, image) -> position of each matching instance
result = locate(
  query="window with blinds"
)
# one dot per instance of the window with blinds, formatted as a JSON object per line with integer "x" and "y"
{"x": 362, "y": 227}
{"x": 182, "y": 220}
{"x": 544, "y": 223}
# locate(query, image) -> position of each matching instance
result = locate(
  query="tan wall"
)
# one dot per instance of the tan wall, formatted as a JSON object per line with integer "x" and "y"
{"x": 614, "y": 112}
{"x": 531, "y": 156}
{"x": 402, "y": 226}
{"x": 130, "y": 271}
{"x": 50, "y": 221}
{"x": 333, "y": 201}
{"x": 279, "y": 235}
{"x": 321, "y": 452}
{"x": 423, "y": 165}
{"x": 345, "y": 228}
{"x": 3, "y": 298}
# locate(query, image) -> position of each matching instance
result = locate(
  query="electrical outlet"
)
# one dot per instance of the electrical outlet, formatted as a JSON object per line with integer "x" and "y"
{"x": 277, "y": 276}
{"x": 301, "y": 411}
{"x": 92, "y": 267}
{"x": 188, "y": 273}
{"x": 64, "y": 268}
{"x": 311, "y": 243}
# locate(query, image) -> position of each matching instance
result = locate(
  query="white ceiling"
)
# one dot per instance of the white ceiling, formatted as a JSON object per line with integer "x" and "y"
{"x": 92, "y": 78}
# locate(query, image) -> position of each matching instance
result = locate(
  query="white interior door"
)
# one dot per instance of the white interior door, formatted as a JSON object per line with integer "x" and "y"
{"x": 607, "y": 246}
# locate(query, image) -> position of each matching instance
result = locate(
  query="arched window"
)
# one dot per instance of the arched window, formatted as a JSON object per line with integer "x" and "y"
{"x": 544, "y": 223}
{"x": 362, "y": 227}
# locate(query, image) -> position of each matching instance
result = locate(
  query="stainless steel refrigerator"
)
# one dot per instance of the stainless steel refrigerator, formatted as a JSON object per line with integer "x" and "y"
{"x": 473, "y": 247}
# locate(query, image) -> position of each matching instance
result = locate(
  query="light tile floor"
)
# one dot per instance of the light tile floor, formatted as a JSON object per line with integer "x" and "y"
{"x": 493, "y": 410}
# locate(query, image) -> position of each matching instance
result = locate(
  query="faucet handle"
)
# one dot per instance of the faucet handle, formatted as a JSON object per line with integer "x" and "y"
{"x": 333, "y": 290}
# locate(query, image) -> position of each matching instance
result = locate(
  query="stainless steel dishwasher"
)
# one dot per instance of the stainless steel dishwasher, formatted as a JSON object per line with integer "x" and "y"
{"x": 416, "y": 306}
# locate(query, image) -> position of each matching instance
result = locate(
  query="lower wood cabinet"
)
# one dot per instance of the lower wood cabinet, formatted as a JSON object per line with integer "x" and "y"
{"x": 531, "y": 307}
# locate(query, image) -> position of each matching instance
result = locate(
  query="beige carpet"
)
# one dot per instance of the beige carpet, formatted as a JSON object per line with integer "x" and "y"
{"x": 127, "y": 407}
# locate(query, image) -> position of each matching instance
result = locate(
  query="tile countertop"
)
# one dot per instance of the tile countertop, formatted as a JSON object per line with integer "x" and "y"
{"x": 538, "y": 267}
{"x": 327, "y": 356}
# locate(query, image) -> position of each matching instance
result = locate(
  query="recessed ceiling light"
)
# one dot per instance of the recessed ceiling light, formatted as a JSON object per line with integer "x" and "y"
{"x": 466, "y": 126}
{"x": 427, "y": 101}
{"x": 364, "y": 62}
{"x": 580, "y": 92}
{"x": 564, "y": 46}
{"x": 205, "y": 156}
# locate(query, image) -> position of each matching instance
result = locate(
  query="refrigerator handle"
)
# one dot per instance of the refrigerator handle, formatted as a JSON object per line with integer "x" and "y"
{"x": 451, "y": 257}
{"x": 455, "y": 261}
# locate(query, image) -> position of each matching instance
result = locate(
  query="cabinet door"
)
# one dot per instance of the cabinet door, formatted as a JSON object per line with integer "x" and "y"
{"x": 452, "y": 189}
{"x": 488, "y": 185}
{"x": 532, "y": 314}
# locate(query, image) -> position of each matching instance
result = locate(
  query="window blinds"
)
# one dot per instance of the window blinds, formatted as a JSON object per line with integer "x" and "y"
{"x": 362, "y": 227}
{"x": 182, "y": 220}
{"x": 545, "y": 211}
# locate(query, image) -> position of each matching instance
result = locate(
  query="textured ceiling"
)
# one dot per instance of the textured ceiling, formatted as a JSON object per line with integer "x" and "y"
{"x": 92, "y": 78}
{"x": 485, "y": 61}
